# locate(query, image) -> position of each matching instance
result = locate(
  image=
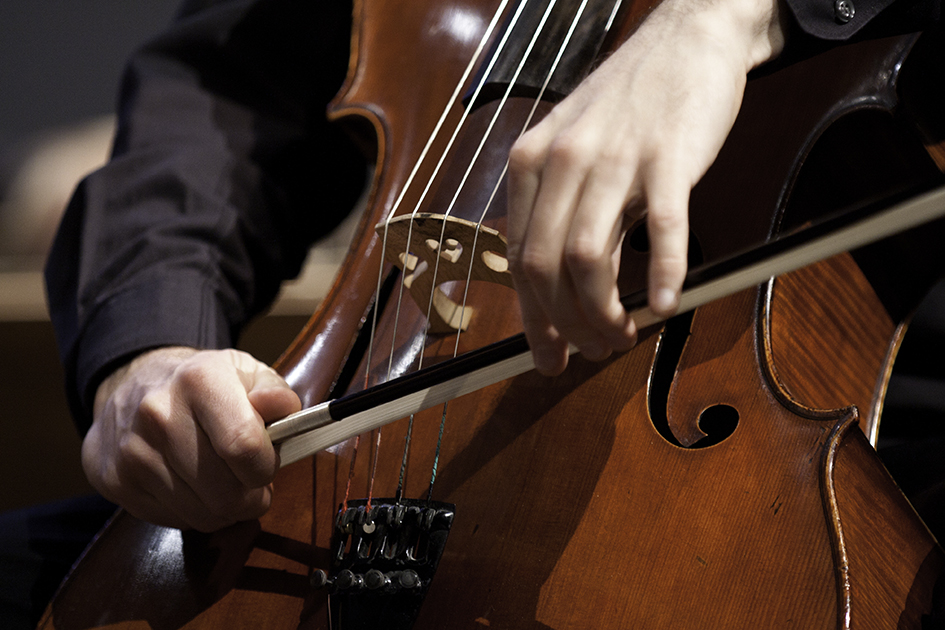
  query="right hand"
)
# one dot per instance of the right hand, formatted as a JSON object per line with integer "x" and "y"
{"x": 178, "y": 437}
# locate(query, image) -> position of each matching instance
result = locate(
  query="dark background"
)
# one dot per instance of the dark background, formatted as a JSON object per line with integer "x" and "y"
{"x": 60, "y": 64}
{"x": 60, "y": 60}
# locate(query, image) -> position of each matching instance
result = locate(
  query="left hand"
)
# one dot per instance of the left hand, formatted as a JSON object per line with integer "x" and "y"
{"x": 634, "y": 137}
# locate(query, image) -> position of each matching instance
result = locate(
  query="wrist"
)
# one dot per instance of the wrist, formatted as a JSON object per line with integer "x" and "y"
{"x": 752, "y": 30}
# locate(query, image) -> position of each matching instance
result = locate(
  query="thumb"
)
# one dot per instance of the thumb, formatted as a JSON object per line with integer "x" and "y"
{"x": 271, "y": 396}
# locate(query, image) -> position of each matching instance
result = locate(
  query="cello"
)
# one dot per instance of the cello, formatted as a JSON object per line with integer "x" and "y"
{"x": 590, "y": 499}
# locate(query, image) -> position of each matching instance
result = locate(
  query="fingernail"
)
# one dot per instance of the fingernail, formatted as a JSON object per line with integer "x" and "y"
{"x": 665, "y": 301}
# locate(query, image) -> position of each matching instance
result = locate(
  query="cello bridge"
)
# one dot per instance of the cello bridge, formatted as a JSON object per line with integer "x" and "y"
{"x": 431, "y": 249}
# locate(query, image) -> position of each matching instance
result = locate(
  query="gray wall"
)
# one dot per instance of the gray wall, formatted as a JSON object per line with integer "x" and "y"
{"x": 60, "y": 60}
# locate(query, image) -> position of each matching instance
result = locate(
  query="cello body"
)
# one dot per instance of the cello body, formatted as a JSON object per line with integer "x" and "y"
{"x": 588, "y": 500}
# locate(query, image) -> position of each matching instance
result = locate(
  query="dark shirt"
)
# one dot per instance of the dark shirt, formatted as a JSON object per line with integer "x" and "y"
{"x": 225, "y": 170}
{"x": 840, "y": 20}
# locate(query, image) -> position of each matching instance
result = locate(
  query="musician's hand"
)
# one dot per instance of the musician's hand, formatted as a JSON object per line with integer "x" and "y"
{"x": 178, "y": 437}
{"x": 634, "y": 137}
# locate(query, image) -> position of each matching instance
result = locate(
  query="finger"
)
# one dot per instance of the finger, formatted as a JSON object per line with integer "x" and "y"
{"x": 137, "y": 477}
{"x": 593, "y": 253}
{"x": 667, "y": 193}
{"x": 549, "y": 349}
{"x": 174, "y": 506}
{"x": 180, "y": 468}
{"x": 528, "y": 160}
{"x": 206, "y": 489}
{"x": 105, "y": 472}
{"x": 144, "y": 506}
{"x": 270, "y": 395}
{"x": 525, "y": 161}
{"x": 215, "y": 392}
{"x": 544, "y": 251}
{"x": 536, "y": 241}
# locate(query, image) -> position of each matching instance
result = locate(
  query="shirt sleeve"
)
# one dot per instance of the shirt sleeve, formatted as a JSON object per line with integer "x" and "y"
{"x": 223, "y": 173}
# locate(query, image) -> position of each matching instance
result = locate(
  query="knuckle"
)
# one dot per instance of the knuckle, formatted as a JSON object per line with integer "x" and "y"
{"x": 513, "y": 254}
{"x": 153, "y": 414}
{"x": 674, "y": 262}
{"x": 132, "y": 458}
{"x": 526, "y": 155}
{"x": 672, "y": 269}
{"x": 193, "y": 375}
{"x": 666, "y": 221}
{"x": 535, "y": 264}
{"x": 524, "y": 261}
{"x": 105, "y": 479}
{"x": 244, "y": 445}
{"x": 583, "y": 256}
{"x": 241, "y": 362}
{"x": 246, "y": 451}
{"x": 581, "y": 336}
{"x": 570, "y": 149}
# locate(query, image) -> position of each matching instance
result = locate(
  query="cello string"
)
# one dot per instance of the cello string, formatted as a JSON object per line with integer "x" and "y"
{"x": 449, "y": 210}
{"x": 354, "y": 457}
{"x": 457, "y": 91}
{"x": 528, "y": 119}
{"x": 436, "y": 456}
{"x": 423, "y": 194}
{"x": 613, "y": 16}
{"x": 401, "y": 478}
{"x": 482, "y": 142}
{"x": 442, "y": 159}
{"x": 406, "y": 253}
{"x": 566, "y": 40}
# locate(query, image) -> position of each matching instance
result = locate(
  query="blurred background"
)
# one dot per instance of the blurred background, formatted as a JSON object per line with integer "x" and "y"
{"x": 60, "y": 66}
